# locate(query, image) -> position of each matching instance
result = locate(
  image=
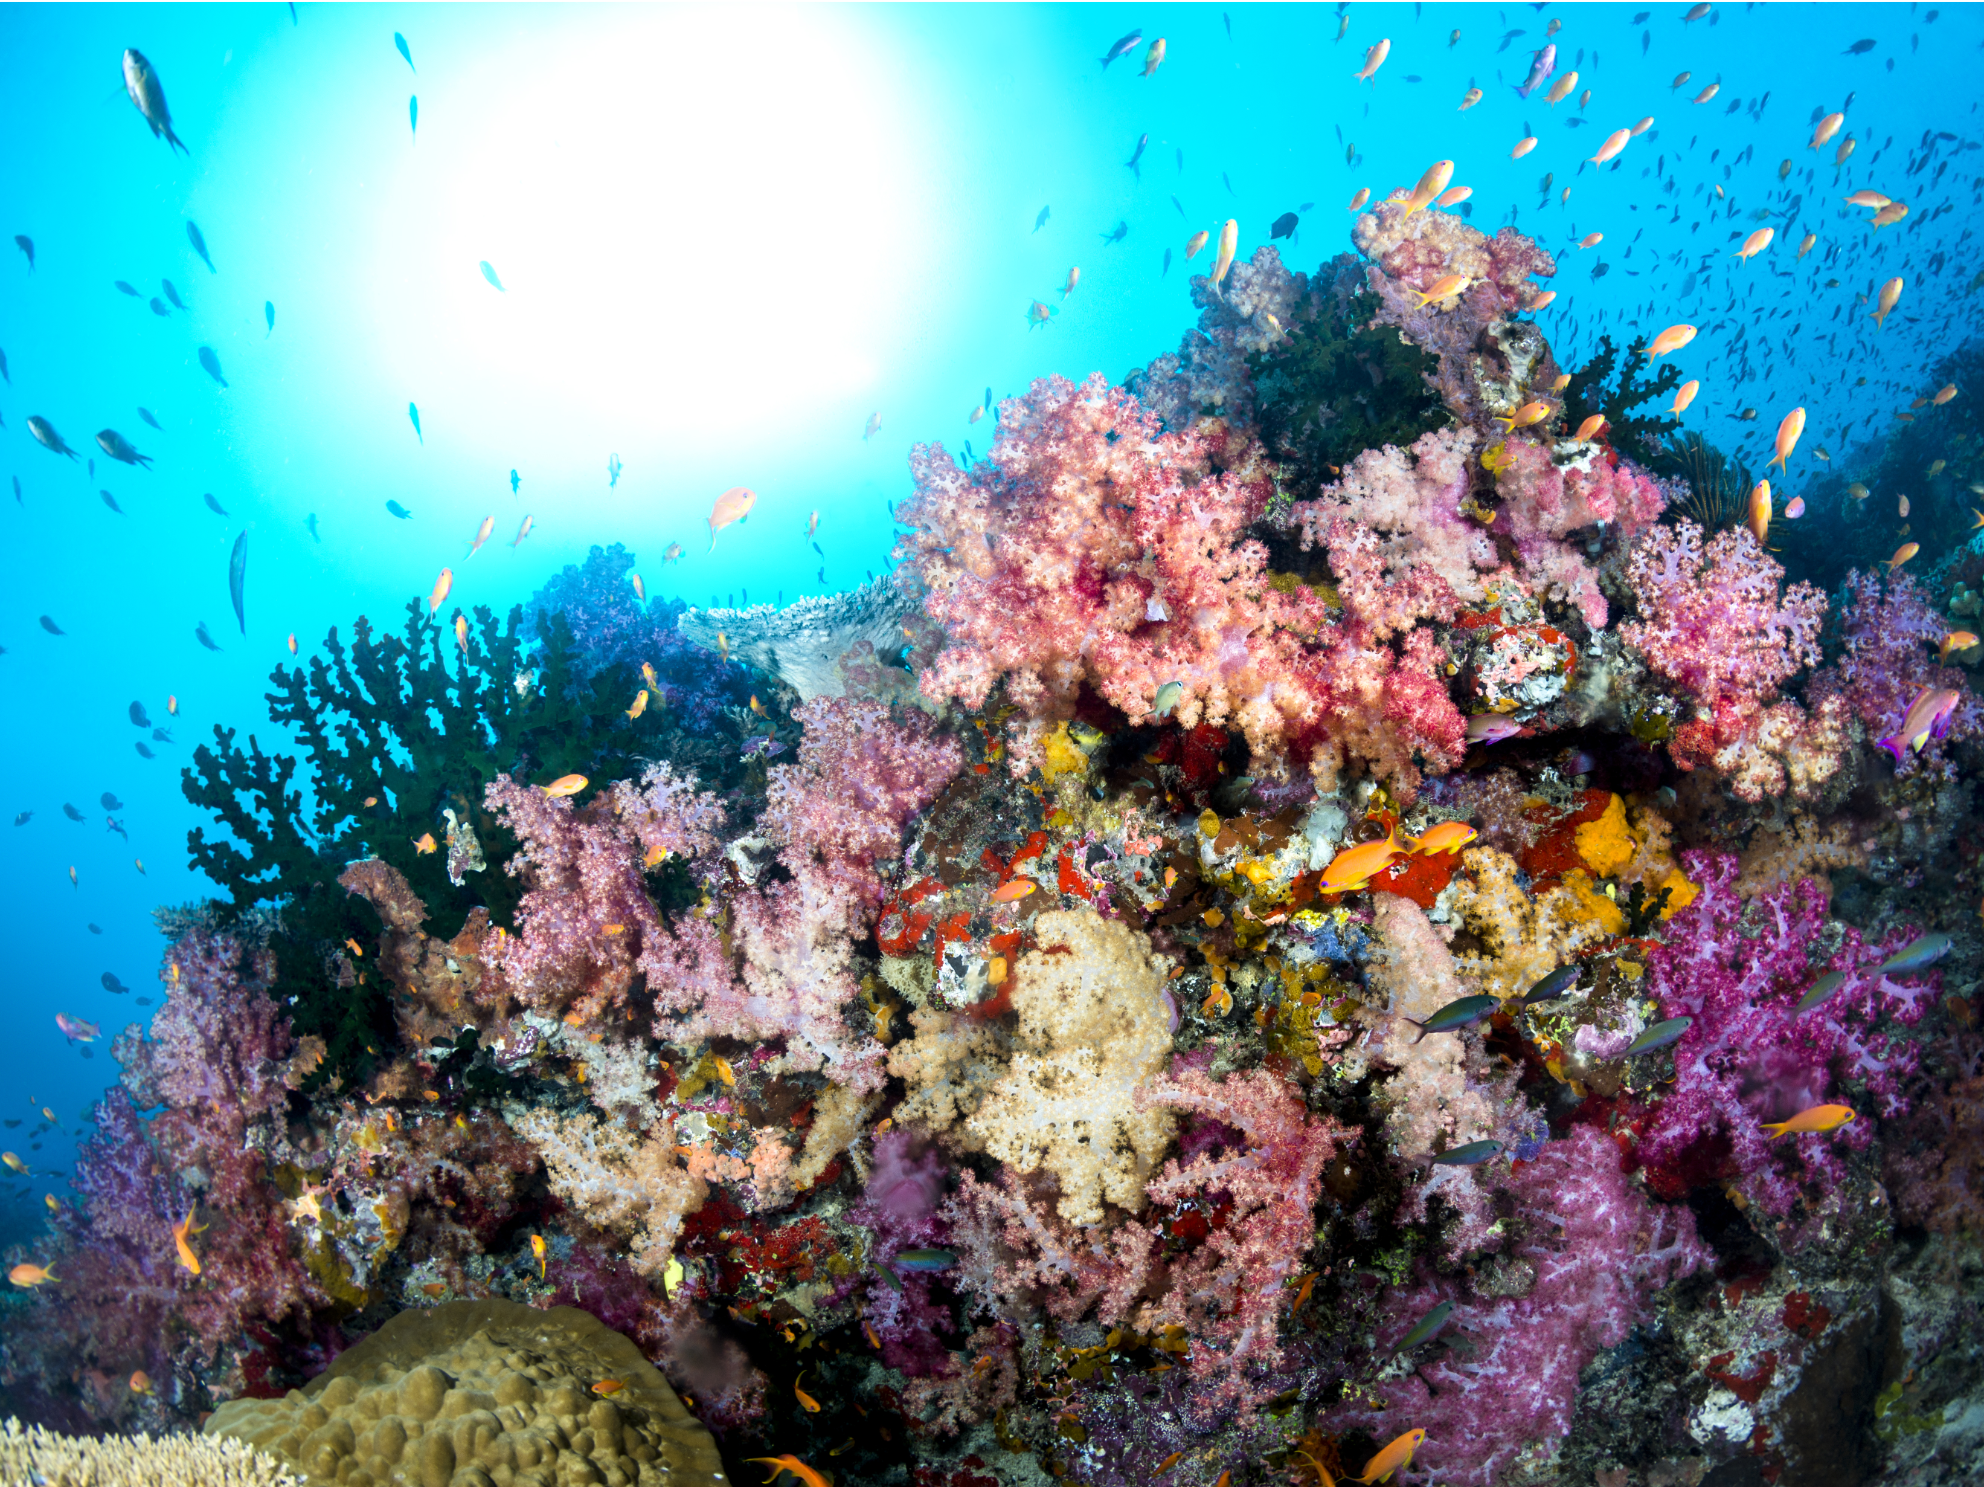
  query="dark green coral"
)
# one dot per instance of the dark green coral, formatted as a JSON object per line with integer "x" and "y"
{"x": 1605, "y": 384}
{"x": 1337, "y": 385}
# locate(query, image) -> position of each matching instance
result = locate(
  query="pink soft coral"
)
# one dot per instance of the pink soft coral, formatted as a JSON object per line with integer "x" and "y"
{"x": 1544, "y": 502}
{"x": 1596, "y": 1248}
{"x": 1889, "y": 630}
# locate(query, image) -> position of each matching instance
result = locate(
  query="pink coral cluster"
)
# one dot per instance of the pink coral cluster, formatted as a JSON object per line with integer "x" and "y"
{"x": 1713, "y": 622}
{"x": 1095, "y": 549}
{"x": 1749, "y": 1056}
{"x": 1544, "y": 502}
{"x": 1596, "y": 1249}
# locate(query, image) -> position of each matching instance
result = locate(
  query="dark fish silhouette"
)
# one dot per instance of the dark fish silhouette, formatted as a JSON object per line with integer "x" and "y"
{"x": 4, "y": 377}
{"x": 148, "y": 95}
{"x": 146, "y": 414}
{"x": 161, "y": 735}
{"x": 51, "y": 627}
{"x": 110, "y": 802}
{"x": 112, "y": 985}
{"x": 1041, "y": 221}
{"x": 17, "y": 492}
{"x": 26, "y": 245}
{"x": 199, "y": 245}
{"x": 212, "y": 364}
{"x": 121, "y": 449}
{"x": 413, "y": 113}
{"x": 124, "y": 288}
{"x": 414, "y": 413}
{"x": 71, "y": 812}
{"x": 139, "y": 718}
{"x": 1116, "y": 234}
{"x": 172, "y": 292}
{"x": 398, "y": 510}
{"x": 144, "y": 750}
{"x": 1860, "y": 48}
{"x": 213, "y": 505}
{"x": 1167, "y": 264}
{"x": 24, "y": 818}
{"x": 399, "y": 43}
{"x": 237, "y": 580}
{"x": 45, "y": 435}
{"x": 269, "y": 314}
{"x": 111, "y": 501}
{"x": 200, "y": 634}
{"x": 111, "y": 823}
{"x": 514, "y": 482}
{"x": 1133, "y": 165}
{"x": 490, "y": 274}
{"x": 1121, "y": 47}
{"x": 160, "y": 307}
{"x": 310, "y": 521}
{"x": 1229, "y": 184}
{"x": 1283, "y": 225}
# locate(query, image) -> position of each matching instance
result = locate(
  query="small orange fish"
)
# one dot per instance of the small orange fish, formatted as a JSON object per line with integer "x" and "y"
{"x": 1944, "y": 394}
{"x": 423, "y": 844}
{"x": 1888, "y": 215}
{"x": 1200, "y": 238}
{"x": 292, "y": 642}
{"x": 141, "y": 1382}
{"x": 1590, "y": 427}
{"x": 1302, "y": 1291}
{"x": 1167, "y": 1463}
{"x": 1225, "y": 1479}
{"x": 1431, "y": 184}
{"x": 1542, "y": 300}
{"x": 353, "y": 947}
{"x": 1454, "y": 197}
{"x": 14, "y": 1163}
{"x": 1356, "y": 202}
{"x": 1561, "y": 89}
{"x": 1956, "y": 640}
{"x": 1447, "y": 836}
{"x": 435, "y": 1288}
{"x": 1354, "y": 867}
{"x": 481, "y": 536}
{"x": 1591, "y": 240}
{"x": 1866, "y": 198}
{"x": 640, "y": 589}
{"x": 1684, "y": 395}
{"x": 640, "y": 705}
{"x": 1394, "y": 1457}
{"x": 806, "y": 1401}
{"x": 1671, "y": 339}
{"x": 1812, "y": 1121}
{"x": 1013, "y": 890}
{"x": 1755, "y": 243}
{"x": 1444, "y": 287}
{"x": 564, "y": 785}
{"x": 1759, "y": 510}
{"x": 461, "y": 633}
{"x": 789, "y": 1463}
{"x": 29, "y": 1276}
{"x": 1529, "y": 413}
{"x": 1902, "y": 554}
{"x": 536, "y": 1243}
{"x": 1614, "y": 143}
{"x": 606, "y": 1387}
{"x": 441, "y": 587}
{"x": 1229, "y": 243}
{"x": 868, "y": 1328}
{"x": 732, "y": 506}
{"x": 1787, "y": 438}
{"x": 1642, "y": 127}
{"x": 187, "y": 1259}
{"x": 656, "y": 855}
{"x": 1827, "y": 128}
{"x": 1890, "y": 296}
{"x": 1523, "y": 147}
{"x": 1373, "y": 60}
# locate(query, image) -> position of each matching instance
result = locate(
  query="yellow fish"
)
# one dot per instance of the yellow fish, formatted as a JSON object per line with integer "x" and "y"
{"x": 1447, "y": 836}
{"x": 461, "y": 632}
{"x": 441, "y": 586}
{"x": 564, "y": 785}
{"x": 172, "y": 705}
{"x": 1902, "y": 554}
{"x": 1468, "y": 99}
{"x": 481, "y": 536}
{"x": 648, "y": 676}
{"x": 1154, "y": 58}
{"x": 1444, "y": 287}
{"x": 536, "y": 1247}
{"x": 1956, "y": 640}
{"x": 1354, "y": 867}
{"x": 1755, "y": 243}
{"x": 1393, "y": 1458}
{"x": 1812, "y": 1121}
{"x": 640, "y": 589}
{"x": 423, "y": 844}
{"x": 28, "y": 1276}
{"x": 187, "y": 1259}
{"x": 1759, "y": 511}
{"x": 292, "y": 642}
{"x": 1198, "y": 240}
{"x": 141, "y": 1382}
{"x": 1363, "y": 195}
{"x": 732, "y": 506}
{"x": 14, "y": 1162}
{"x": 640, "y": 705}
{"x": 1529, "y": 413}
{"x": 1431, "y": 184}
{"x": 1229, "y": 241}
{"x": 1890, "y": 297}
{"x": 1787, "y": 438}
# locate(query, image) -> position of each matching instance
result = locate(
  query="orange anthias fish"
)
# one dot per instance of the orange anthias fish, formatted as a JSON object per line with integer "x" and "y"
{"x": 1357, "y": 202}
{"x": 1523, "y": 147}
{"x": 187, "y": 1259}
{"x": 1200, "y": 238}
{"x": 1828, "y": 127}
{"x": 1928, "y": 716}
{"x": 1542, "y": 301}
{"x": 1890, "y": 297}
{"x": 1787, "y": 438}
{"x": 461, "y": 631}
{"x": 1444, "y": 287}
{"x": 292, "y": 642}
{"x": 1944, "y": 394}
{"x": 640, "y": 705}
{"x": 1393, "y": 1458}
{"x": 1707, "y": 93}
{"x": 1755, "y": 243}
{"x": 481, "y": 536}
{"x": 1454, "y": 197}
{"x": 733, "y": 505}
{"x": 1448, "y": 836}
{"x": 423, "y": 844}
{"x": 537, "y": 1253}
{"x": 523, "y": 531}
{"x": 1614, "y": 143}
{"x": 1229, "y": 243}
{"x": 441, "y": 586}
{"x": 1890, "y": 214}
{"x": 1373, "y": 60}
{"x": 1529, "y": 413}
{"x": 1353, "y": 868}
{"x": 1902, "y": 554}
{"x": 1431, "y": 184}
{"x": 1590, "y": 427}
{"x": 789, "y": 1463}
{"x": 28, "y": 1276}
{"x": 1956, "y": 640}
{"x": 569, "y": 784}
{"x": 673, "y": 553}
{"x": 1013, "y": 890}
{"x": 1591, "y": 240}
{"x": 141, "y": 1382}
{"x": 806, "y": 1401}
{"x": 1873, "y": 200}
{"x": 1561, "y": 89}
{"x": 606, "y": 1387}
{"x": 1818, "y": 1118}
{"x": 1684, "y": 395}
{"x": 640, "y": 589}
{"x": 1671, "y": 339}
{"x": 1759, "y": 511}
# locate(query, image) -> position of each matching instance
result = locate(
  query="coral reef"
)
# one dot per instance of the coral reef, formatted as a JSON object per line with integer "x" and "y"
{"x": 32, "y": 1454}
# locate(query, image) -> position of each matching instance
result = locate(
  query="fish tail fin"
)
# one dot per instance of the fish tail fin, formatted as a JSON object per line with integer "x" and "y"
{"x": 1895, "y": 744}
{"x": 1776, "y": 1128}
{"x": 175, "y": 142}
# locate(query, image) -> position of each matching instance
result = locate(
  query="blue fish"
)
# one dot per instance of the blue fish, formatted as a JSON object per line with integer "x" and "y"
{"x": 1041, "y": 221}
{"x": 1552, "y": 986}
{"x": 205, "y": 637}
{"x": 237, "y": 579}
{"x": 269, "y": 314}
{"x": 924, "y": 1259}
{"x": 171, "y": 292}
{"x": 514, "y": 482}
{"x": 413, "y": 114}
{"x": 199, "y": 246}
{"x": 397, "y": 510}
{"x": 1917, "y": 955}
{"x": 399, "y": 42}
{"x": 111, "y": 501}
{"x": 51, "y": 627}
{"x": 1658, "y": 1036}
{"x": 1121, "y": 48}
{"x": 1472, "y": 1154}
{"x": 26, "y": 245}
{"x": 413, "y": 412}
{"x": 146, "y": 414}
{"x": 110, "y": 802}
{"x": 144, "y": 751}
{"x": 1426, "y": 1327}
{"x": 310, "y": 521}
{"x": 1469, "y": 1009}
{"x": 1822, "y": 988}
{"x": 211, "y": 363}
{"x": 490, "y": 274}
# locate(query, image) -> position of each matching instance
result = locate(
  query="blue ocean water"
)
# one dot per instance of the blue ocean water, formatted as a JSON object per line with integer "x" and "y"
{"x": 725, "y": 238}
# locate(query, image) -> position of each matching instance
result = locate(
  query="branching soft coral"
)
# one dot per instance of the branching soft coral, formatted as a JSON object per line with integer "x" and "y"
{"x": 1230, "y": 1290}
{"x": 1749, "y": 1057}
{"x": 1092, "y": 548}
{"x": 636, "y": 1189}
{"x": 1597, "y": 1249}
{"x": 1524, "y": 938}
{"x": 1544, "y": 502}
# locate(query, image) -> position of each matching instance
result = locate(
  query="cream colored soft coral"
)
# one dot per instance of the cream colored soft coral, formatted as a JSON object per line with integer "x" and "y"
{"x": 1093, "y": 1028}
{"x": 1526, "y": 938}
{"x": 632, "y": 1187}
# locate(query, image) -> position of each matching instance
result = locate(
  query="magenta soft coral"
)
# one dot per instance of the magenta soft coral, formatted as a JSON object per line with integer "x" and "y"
{"x": 1889, "y": 631}
{"x": 1597, "y": 1248}
{"x": 1738, "y": 970}
{"x": 1095, "y": 549}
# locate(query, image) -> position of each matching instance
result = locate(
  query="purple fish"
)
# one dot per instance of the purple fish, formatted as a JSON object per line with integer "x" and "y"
{"x": 1491, "y": 728}
{"x": 1539, "y": 70}
{"x": 1121, "y": 47}
{"x": 1928, "y": 717}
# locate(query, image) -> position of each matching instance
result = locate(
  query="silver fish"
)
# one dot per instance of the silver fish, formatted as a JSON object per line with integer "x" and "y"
{"x": 148, "y": 94}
